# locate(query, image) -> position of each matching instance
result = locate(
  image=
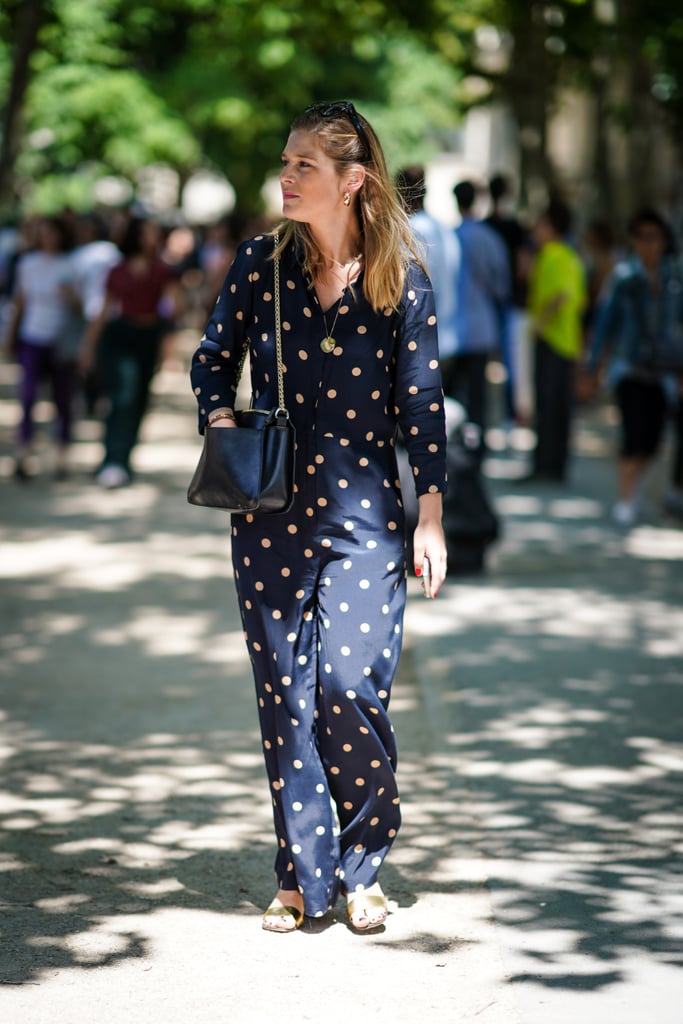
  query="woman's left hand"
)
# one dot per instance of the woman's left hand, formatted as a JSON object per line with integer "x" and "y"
{"x": 429, "y": 540}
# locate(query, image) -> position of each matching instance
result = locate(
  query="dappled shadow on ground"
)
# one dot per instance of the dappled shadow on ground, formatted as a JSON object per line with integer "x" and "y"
{"x": 133, "y": 778}
{"x": 555, "y": 692}
{"x": 128, "y": 739}
{"x": 538, "y": 713}
{"x": 133, "y": 772}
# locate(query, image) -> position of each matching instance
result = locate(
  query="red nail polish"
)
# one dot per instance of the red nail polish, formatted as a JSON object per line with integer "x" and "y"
{"x": 418, "y": 572}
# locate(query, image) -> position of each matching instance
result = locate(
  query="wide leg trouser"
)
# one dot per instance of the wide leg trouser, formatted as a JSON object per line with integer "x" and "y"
{"x": 464, "y": 379}
{"x": 554, "y": 392}
{"x": 37, "y": 362}
{"x": 323, "y": 620}
{"x": 127, "y": 360}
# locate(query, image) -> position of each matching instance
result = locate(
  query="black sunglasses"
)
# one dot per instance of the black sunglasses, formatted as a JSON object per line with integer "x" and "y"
{"x": 343, "y": 108}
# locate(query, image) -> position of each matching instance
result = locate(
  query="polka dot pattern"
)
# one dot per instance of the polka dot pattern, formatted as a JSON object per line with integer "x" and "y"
{"x": 404, "y": 348}
{"x": 322, "y": 588}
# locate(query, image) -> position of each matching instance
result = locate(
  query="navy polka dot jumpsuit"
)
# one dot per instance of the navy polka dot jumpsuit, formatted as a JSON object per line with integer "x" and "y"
{"x": 322, "y": 587}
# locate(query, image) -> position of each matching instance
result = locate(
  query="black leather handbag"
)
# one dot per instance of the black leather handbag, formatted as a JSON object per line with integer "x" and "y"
{"x": 250, "y": 467}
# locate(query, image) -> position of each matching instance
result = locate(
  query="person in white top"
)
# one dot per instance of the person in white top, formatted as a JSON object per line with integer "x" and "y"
{"x": 38, "y": 318}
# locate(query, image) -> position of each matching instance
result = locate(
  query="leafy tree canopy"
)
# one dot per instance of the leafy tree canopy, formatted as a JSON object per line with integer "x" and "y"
{"x": 119, "y": 84}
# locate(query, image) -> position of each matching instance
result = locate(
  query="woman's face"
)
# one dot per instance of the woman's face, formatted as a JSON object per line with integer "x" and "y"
{"x": 312, "y": 188}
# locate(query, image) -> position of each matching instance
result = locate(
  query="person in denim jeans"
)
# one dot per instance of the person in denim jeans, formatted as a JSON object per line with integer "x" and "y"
{"x": 645, "y": 299}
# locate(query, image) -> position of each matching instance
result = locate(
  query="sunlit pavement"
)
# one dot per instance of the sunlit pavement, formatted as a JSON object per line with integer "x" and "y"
{"x": 537, "y": 878}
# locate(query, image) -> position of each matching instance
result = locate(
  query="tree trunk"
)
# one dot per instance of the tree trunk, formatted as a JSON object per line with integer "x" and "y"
{"x": 640, "y": 136}
{"x": 604, "y": 200}
{"x": 529, "y": 85}
{"x": 641, "y": 112}
{"x": 29, "y": 19}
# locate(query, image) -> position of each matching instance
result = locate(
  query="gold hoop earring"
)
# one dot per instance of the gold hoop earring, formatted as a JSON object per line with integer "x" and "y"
{"x": 347, "y": 198}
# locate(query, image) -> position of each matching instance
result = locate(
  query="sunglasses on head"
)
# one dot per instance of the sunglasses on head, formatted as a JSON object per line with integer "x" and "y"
{"x": 343, "y": 108}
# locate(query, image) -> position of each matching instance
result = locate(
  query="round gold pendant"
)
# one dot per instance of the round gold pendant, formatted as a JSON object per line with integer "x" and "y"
{"x": 328, "y": 345}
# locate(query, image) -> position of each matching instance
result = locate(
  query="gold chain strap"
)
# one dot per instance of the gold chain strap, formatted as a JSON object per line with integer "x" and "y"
{"x": 278, "y": 338}
{"x": 278, "y": 333}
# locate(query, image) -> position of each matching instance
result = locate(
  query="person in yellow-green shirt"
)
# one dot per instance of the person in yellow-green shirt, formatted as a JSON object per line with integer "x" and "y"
{"x": 556, "y": 301}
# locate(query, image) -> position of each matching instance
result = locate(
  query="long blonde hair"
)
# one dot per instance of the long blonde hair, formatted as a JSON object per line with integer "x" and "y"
{"x": 388, "y": 243}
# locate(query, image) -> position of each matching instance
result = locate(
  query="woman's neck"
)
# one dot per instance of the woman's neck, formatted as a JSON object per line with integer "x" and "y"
{"x": 340, "y": 246}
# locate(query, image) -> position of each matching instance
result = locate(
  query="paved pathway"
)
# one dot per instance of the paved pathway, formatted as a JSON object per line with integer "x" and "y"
{"x": 537, "y": 879}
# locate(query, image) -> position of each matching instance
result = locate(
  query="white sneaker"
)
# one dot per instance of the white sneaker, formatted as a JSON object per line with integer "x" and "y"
{"x": 625, "y": 514}
{"x": 110, "y": 477}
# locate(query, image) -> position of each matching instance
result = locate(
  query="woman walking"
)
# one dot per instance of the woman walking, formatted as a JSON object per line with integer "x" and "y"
{"x": 140, "y": 294}
{"x": 322, "y": 587}
{"x": 40, "y": 313}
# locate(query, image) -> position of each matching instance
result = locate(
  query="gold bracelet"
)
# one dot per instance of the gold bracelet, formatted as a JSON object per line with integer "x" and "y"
{"x": 224, "y": 414}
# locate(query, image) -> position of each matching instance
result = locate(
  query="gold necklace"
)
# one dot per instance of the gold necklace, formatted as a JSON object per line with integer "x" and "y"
{"x": 328, "y": 344}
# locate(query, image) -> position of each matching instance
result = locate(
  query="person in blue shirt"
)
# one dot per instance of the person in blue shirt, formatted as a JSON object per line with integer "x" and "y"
{"x": 482, "y": 284}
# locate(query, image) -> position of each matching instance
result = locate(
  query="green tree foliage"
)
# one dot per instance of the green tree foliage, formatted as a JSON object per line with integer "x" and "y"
{"x": 112, "y": 86}
{"x": 90, "y": 110}
{"x": 20, "y": 25}
{"x": 121, "y": 84}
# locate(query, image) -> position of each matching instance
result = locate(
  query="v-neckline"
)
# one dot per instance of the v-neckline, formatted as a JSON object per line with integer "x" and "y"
{"x": 347, "y": 288}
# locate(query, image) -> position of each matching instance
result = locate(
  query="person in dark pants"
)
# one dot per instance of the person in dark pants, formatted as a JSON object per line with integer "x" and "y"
{"x": 126, "y": 361}
{"x": 322, "y": 587}
{"x": 139, "y": 297}
{"x": 40, "y": 310}
{"x": 557, "y": 298}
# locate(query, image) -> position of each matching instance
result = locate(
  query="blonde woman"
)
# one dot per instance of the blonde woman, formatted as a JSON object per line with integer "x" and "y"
{"x": 322, "y": 587}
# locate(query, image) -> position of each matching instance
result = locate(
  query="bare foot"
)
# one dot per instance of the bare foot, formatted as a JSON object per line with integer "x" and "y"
{"x": 367, "y": 908}
{"x": 285, "y": 913}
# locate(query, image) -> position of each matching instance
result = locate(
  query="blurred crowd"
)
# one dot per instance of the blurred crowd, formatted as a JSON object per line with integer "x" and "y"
{"x": 567, "y": 313}
{"x": 87, "y": 303}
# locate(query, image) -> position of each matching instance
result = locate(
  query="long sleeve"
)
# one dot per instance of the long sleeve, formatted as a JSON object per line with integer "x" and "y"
{"x": 608, "y": 333}
{"x": 418, "y": 395}
{"x": 607, "y": 322}
{"x": 216, "y": 362}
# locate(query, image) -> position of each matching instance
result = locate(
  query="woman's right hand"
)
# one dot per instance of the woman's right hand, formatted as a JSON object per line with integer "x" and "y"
{"x": 223, "y": 423}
